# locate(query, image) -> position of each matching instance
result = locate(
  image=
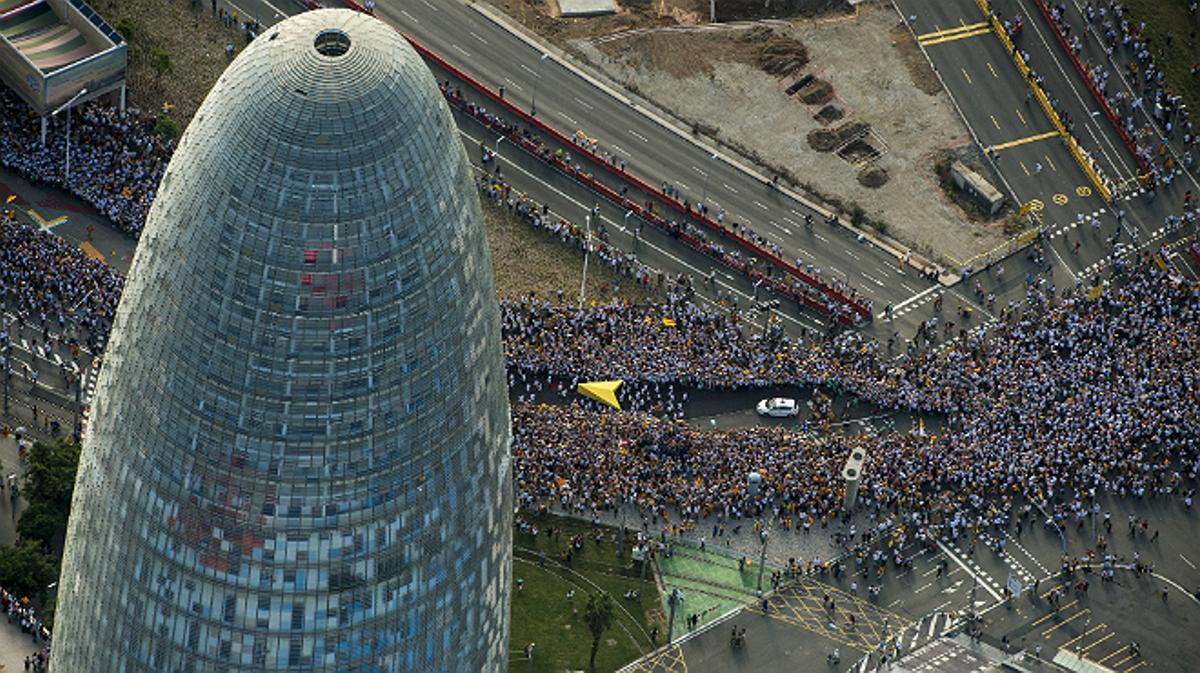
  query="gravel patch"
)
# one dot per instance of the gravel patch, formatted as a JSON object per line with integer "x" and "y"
{"x": 912, "y": 125}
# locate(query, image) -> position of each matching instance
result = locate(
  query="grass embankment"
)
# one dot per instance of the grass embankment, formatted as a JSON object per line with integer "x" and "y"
{"x": 528, "y": 260}
{"x": 542, "y": 614}
{"x": 1175, "y": 60}
{"x": 191, "y": 40}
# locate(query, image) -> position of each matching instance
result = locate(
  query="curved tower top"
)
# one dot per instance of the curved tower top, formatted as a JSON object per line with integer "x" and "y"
{"x": 297, "y": 455}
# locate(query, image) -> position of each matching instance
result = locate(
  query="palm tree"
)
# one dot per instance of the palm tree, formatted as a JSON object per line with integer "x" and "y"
{"x": 599, "y": 616}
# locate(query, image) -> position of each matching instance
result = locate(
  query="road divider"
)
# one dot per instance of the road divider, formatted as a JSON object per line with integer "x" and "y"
{"x": 1085, "y": 161}
{"x": 1100, "y": 99}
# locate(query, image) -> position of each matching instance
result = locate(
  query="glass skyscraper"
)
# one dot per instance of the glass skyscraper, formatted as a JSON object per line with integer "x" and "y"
{"x": 297, "y": 455}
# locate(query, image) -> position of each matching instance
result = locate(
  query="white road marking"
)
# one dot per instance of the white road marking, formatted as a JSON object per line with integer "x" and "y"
{"x": 513, "y": 84}
{"x": 872, "y": 279}
{"x": 790, "y": 221}
{"x": 1185, "y": 560}
{"x": 932, "y": 625}
{"x": 566, "y": 117}
{"x": 584, "y": 103}
{"x": 760, "y": 205}
{"x": 639, "y": 136}
{"x": 822, "y": 238}
{"x": 410, "y": 17}
{"x": 913, "y": 298}
{"x": 464, "y": 52}
{"x": 698, "y": 170}
{"x": 729, "y": 188}
{"x": 922, "y": 587}
{"x": 981, "y": 581}
{"x": 856, "y": 257}
{"x": 908, "y": 287}
{"x": 617, "y": 148}
{"x": 474, "y": 35}
{"x": 780, "y": 227}
{"x": 527, "y": 69}
{"x": 429, "y": 5}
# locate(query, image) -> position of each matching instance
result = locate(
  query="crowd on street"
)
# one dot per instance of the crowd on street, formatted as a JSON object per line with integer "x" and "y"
{"x": 1114, "y": 407}
{"x": 117, "y": 159}
{"x": 49, "y": 285}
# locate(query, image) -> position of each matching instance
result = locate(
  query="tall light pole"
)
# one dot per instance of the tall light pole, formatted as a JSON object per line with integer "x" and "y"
{"x": 537, "y": 76}
{"x": 67, "y": 106}
{"x": 587, "y": 249}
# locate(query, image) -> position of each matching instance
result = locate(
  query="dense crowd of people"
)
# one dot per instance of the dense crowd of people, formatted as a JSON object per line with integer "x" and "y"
{"x": 117, "y": 159}
{"x": 51, "y": 286}
{"x": 1114, "y": 407}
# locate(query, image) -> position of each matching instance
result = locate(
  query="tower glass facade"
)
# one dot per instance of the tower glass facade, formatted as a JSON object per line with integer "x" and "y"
{"x": 298, "y": 449}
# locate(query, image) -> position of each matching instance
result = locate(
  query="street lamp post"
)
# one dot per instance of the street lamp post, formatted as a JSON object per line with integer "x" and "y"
{"x": 674, "y": 601}
{"x": 587, "y": 249}
{"x": 536, "y": 76}
{"x": 67, "y": 106}
{"x": 762, "y": 559}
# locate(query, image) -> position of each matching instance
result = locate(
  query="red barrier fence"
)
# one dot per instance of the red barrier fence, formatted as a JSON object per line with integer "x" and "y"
{"x": 855, "y": 305}
{"x": 1096, "y": 93}
{"x": 1195, "y": 250}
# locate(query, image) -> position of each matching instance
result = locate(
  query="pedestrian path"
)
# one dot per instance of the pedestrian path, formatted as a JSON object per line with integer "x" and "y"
{"x": 14, "y": 647}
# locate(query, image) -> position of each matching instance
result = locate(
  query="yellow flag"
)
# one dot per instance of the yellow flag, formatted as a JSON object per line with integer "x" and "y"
{"x": 604, "y": 392}
{"x": 669, "y": 322}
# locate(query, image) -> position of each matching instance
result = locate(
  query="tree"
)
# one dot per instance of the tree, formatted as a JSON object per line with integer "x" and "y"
{"x": 160, "y": 62}
{"x": 50, "y": 476}
{"x": 598, "y": 614}
{"x": 50, "y": 483}
{"x": 24, "y": 570}
{"x": 166, "y": 126}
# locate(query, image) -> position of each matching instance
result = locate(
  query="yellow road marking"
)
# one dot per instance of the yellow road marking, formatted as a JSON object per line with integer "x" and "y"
{"x": 956, "y": 36}
{"x": 1022, "y": 141}
{"x": 1137, "y": 665}
{"x": 91, "y": 251}
{"x": 1068, "y": 620}
{"x": 1022, "y": 118}
{"x": 1061, "y": 199}
{"x": 964, "y": 72}
{"x": 1049, "y": 614}
{"x": 1108, "y": 635}
{"x": 1112, "y": 654}
{"x": 1052, "y": 166}
{"x": 995, "y": 123}
{"x": 1121, "y": 661}
{"x": 989, "y": 64}
{"x": 959, "y": 29}
{"x": 1081, "y": 636}
{"x": 1024, "y": 168}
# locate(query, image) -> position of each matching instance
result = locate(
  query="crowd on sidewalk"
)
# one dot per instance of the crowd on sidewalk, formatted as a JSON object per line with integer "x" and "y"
{"x": 1130, "y": 79}
{"x": 117, "y": 159}
{"x": 1114, "y": 407}
{"x": 19, "y": 613}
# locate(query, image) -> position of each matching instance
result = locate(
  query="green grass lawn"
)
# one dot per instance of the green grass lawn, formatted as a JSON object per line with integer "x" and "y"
{"x": 1162, "y": 17}
{"x": 542, "y": 614}
{"x": 710, "y": 581}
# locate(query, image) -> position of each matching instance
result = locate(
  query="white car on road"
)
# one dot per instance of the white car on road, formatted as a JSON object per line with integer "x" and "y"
{"x": 778, "y": 407}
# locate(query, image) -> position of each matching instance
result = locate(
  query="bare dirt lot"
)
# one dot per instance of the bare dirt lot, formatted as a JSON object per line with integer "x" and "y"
{"x": 867, "y": 70}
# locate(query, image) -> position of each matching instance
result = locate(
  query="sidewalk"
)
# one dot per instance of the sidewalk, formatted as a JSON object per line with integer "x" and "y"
{"x": 14, "y": 647}
{"x": 9, "y": 464}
